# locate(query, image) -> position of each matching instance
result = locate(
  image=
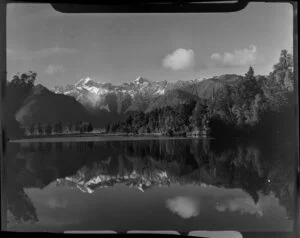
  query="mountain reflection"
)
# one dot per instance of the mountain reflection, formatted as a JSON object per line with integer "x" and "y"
{"x": 89, "y": 166}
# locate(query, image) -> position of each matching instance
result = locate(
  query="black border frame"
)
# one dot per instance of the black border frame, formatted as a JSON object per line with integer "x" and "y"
{"x": 145, "y": 6}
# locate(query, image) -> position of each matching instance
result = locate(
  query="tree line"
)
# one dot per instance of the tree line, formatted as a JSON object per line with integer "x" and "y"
{"x": 58, "y": 128}
{"x": 254, "y": 105}
{"x": 15, "y": 93}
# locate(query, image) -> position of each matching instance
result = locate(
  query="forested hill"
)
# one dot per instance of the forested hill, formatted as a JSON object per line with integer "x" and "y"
{"x": 26, "y": 104}
{"x": 247, "y": 106}
{"x": 42, "y": 105}
{"x": 172, "y": 99}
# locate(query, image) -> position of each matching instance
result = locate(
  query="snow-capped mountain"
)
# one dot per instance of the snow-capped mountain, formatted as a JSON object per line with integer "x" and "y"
{"x": 102, "y": 180}
{"x": 113, "y": 98}
{"x": 141, "y": 94}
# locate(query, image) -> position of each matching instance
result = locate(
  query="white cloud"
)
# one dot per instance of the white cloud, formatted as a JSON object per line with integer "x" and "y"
{"x": 184, "y": 206}
{"x": 180, "y": 59}
{"x": 239, "y": 57}
{"x": 241, "y": 204}
{"x": 216, "y": 56}
{"x": 54, "y": 69}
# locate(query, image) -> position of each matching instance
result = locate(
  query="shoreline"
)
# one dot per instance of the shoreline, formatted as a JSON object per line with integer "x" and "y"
{"x": 103, "y": 137}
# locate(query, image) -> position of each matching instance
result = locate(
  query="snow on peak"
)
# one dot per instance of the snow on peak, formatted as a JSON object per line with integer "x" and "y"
{"x": 140, "y": 80}
{"x": 82, "y": 82}
{"x": 160, "y": 91}
{"x": 87, "y": 80}
{"x": 200, "y": 79}
{"x": 91, "y": 86}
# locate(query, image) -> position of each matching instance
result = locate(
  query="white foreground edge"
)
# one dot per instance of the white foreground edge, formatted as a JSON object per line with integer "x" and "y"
{"x": 208, "y": 234}
{"x": 154, "y": 232}
{"x": 216, "y": 234}
{"x": 90, "y": 232}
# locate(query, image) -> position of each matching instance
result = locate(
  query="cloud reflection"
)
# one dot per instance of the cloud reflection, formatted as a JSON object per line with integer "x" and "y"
{"x": 185, "y": 207}
{"x": 244, "y": 205}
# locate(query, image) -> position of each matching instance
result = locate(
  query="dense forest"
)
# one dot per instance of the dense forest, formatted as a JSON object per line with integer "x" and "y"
{"x": 254, "y": 106}
{"x": 59, "y": 128}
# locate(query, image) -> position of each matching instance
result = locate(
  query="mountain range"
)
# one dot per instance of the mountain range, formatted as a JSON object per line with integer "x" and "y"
{"x": 119, "y": 99}
{"x": 101, "y": 103}
{"x": 108, "y": 102}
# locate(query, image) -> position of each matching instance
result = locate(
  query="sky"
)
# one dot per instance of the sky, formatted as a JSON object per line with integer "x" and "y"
{"x": 117, "y": 48}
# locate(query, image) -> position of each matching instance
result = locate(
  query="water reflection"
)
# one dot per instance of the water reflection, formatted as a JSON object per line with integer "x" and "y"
{"x": 242, "y": 205}
{"x": 89, "y": 166}
{"x": 185, "y": 207}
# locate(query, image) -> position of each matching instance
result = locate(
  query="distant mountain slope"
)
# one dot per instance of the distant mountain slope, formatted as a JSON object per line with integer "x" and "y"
{"x": 207, "y": 87}
{"x": 44, "y": 106}
{"x": 172, "y": 99}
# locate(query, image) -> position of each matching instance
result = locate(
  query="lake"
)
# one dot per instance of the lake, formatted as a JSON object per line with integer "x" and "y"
{"x": 170, "y": 184}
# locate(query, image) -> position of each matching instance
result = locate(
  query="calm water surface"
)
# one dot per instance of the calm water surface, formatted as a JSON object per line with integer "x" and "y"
{"x": 180, "y": 185}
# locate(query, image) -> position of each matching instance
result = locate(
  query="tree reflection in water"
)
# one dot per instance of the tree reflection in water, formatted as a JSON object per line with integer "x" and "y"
{"x": 237, "y": 164}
